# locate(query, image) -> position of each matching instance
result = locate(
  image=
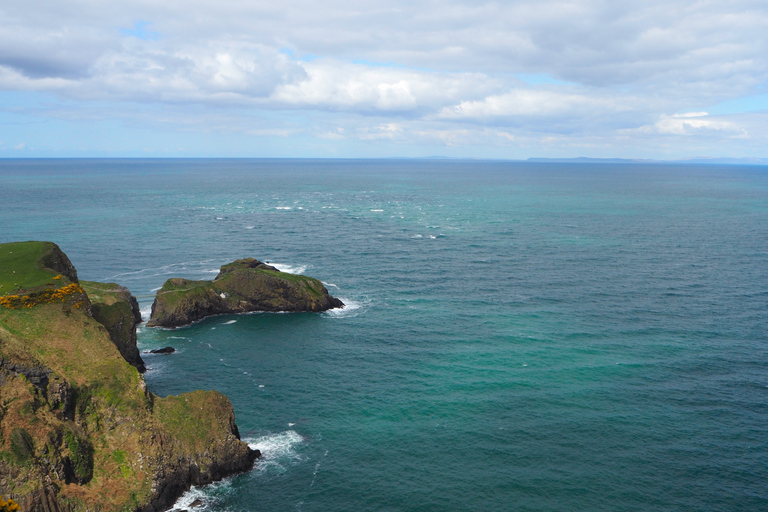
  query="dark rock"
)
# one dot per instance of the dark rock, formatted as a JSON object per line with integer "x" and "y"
{"x": 53, "y": 258}
{"x": 36, "y": 374}
{"x": 196, "y": 503}
{"x": 164, "y": 350}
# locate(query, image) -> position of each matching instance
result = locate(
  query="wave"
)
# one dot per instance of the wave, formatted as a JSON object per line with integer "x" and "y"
{"x": 229, "y": 322}
{"x": 289, "y": 269}
{"x": 277, "y": 450}
{"x": 206, "y": 496}
{"x": 146, "y": 312}
{"x": 351, "y": 308}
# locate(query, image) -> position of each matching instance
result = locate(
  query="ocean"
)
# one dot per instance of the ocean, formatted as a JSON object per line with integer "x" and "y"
{"x": 517, "y": 337}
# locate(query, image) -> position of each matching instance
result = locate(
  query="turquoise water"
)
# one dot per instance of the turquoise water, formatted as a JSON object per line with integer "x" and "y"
{"x": 518, "y": 336}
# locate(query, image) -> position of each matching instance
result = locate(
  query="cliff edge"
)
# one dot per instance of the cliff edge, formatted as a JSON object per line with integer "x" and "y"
{"x": 242, "y": 286}
{"x": 78, "y": 428}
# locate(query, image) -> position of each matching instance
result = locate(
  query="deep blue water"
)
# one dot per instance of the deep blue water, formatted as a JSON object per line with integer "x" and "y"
{"x": 518, "y": 336}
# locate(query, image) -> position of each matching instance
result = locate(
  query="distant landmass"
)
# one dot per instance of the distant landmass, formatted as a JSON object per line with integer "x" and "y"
{"x": 700, "y": 160}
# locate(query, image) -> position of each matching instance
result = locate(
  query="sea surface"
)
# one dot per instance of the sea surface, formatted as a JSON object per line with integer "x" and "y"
{"x": 517, "y": 336}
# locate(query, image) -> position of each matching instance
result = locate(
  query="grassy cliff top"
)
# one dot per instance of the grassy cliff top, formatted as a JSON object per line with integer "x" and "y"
{"x": 104, "y": 293}
{"x": 24, "y": 268}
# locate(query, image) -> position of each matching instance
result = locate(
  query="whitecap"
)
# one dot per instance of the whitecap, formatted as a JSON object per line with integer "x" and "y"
{"x": 377, "y": 210}
{"x": 351, "y": 308}
{"x": 432, "y": 237}
{"x": 230, "y": 322}
{"x": 329, "y": 284}
{"x": 155, "y": 289}
{"x": 277, "y": 450}
{"x": 417, "y": 236}
{"x": 249, "y": 227}
{"x": 282, "y": 207}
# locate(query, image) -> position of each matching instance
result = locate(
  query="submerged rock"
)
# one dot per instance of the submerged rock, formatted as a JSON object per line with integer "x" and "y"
{"x": 164, "y": 350}
{"x": 242, "y": 286}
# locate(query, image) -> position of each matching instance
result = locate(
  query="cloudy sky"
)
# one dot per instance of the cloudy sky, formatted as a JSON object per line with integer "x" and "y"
{"x": 364, "y": 78}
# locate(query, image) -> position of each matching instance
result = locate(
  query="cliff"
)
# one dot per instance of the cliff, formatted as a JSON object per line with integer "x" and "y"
{"x": 115, "y": 308}
{"x": 78, "y": 428}
{"x": 242, "y": 286}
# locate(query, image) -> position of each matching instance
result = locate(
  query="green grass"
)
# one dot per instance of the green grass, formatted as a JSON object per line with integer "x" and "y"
{"x": 20, "y": 268}
{"x": 194, "y": 418}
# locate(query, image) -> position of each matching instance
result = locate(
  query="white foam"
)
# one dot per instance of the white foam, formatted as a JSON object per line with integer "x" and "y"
{"x": 351, "y": 308}
{"x": 207, "y": 494}
{"x": 277, "y": 450}
{"x": 417, "y": 236}
{"x": 377, "y": 210}
{"x": 146, "y": 312}
{"x": 282, "y": 207}
{"x": 155, "y": 289}
{"x": 230, "y": 322}
{"x": 329, "y": 284}
{"x": 249, "y": 227}
{"x": 289, "y": 269}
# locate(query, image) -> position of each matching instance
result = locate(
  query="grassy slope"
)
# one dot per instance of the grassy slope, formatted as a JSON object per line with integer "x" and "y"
{"x": 20, "y": 268}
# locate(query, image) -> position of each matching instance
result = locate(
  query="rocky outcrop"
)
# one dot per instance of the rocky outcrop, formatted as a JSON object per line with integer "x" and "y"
{"x": 116, "y": 309}
{"x": 53, "y": 258}
{"x": 79, "y": 430}
{"x": 164, "y": 350}
{"x": 242, "y": 286}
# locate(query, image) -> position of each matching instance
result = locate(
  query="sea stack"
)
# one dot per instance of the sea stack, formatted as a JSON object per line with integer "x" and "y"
{"x": 243, "y": 286}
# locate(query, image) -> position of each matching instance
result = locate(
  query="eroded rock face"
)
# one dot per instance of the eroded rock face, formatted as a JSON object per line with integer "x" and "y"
{"x": 116, "y": 309}
{"x": 53, "y": 258}
{"x": 242, "y": 286}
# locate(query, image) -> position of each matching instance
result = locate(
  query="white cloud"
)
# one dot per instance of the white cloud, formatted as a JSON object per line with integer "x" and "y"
{"x": 401, "y": 71}
{"x": 693, "y": 123}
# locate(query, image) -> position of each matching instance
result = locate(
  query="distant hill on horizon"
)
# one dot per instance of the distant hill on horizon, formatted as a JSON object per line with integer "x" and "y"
{"x": 698, "y": 160}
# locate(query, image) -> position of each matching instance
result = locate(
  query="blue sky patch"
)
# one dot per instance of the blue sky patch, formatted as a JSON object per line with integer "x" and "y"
{"x": 140, "y": 31}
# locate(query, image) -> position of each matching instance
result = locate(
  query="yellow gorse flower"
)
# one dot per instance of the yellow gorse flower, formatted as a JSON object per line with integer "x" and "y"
{"x": 44, "y": 297}
{"x": 8, "y": 506}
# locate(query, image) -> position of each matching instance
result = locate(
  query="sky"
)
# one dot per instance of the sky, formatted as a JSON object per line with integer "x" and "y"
{"x": 417, "y": 78}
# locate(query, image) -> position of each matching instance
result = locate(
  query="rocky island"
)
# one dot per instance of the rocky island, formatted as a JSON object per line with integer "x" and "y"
{"x": 243, "y": 286}
{"x": 79, "y": 430}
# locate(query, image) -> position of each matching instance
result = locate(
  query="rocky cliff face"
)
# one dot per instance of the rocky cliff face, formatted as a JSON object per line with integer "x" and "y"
{"x": 118, "y": 311}
{"x": 78, "y": 428}
{"x": 242, "y": 286}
